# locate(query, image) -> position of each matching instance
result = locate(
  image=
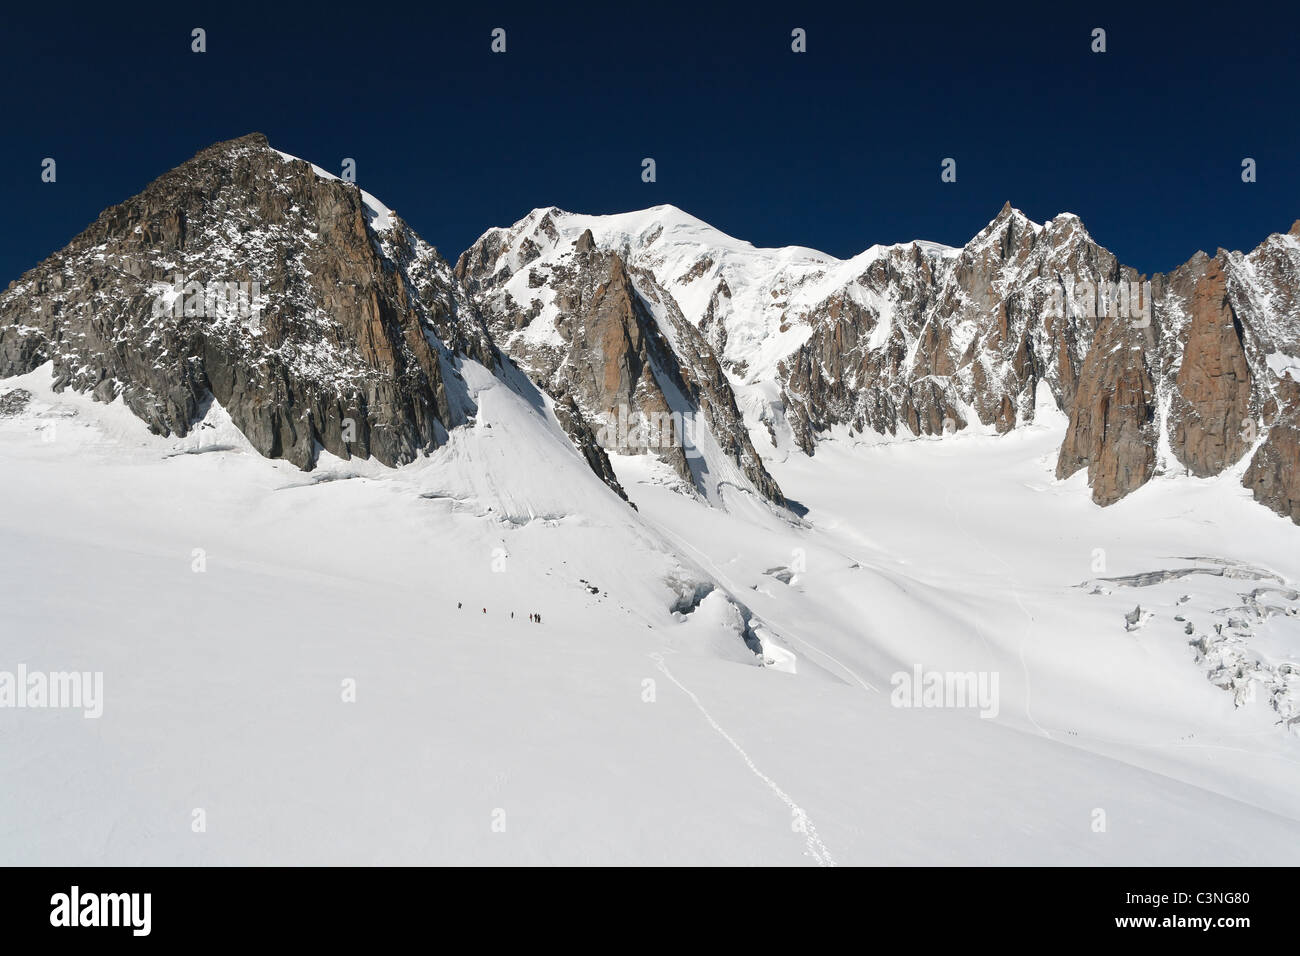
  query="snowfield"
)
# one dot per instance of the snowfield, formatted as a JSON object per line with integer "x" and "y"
{"x": 323, "y": 667}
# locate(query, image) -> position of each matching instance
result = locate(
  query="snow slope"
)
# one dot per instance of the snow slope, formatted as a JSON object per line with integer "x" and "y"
{"x": 621, "y": 729}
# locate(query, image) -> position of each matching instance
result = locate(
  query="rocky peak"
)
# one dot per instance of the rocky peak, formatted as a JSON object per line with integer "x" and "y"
{"x": 597, "y": 331}
{"x": 344, "y": 334}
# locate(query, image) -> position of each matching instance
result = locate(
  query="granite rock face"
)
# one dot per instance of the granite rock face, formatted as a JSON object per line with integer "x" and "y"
{"x": 1211, "y": 392}
{"x": 609, "y": 340}
{"x": 1274, "y": 472}
{"x": 1112, "y": 429}
{"x": 345, "y": 336}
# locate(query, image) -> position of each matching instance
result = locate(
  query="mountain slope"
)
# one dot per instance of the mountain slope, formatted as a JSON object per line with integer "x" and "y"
{"x": 348, "y": 341}
{"x": 610, "y": 339}
{"x": 307, "y": 659}
{"x": 1185, "y": 373}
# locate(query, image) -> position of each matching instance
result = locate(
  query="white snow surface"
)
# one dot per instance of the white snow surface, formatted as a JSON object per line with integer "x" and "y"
{"x": 1283, "y": 365}
{"x": 631, "y": 726}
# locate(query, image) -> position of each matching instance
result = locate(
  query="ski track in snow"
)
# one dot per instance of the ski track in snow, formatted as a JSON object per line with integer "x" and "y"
{"x": 816, "y": 849}
{"x": 1029, "y": 626}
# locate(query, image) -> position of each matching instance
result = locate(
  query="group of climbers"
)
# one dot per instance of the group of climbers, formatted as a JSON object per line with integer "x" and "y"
{"x": 535, "y": 618}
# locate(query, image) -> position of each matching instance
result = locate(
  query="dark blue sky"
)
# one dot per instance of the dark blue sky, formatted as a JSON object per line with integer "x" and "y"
{"x": 837, "y": 148}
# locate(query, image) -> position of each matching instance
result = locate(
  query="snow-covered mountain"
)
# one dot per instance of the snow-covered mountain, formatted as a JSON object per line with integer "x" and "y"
{"x": 612, "y": 341}
{"x": 656, "y": 333}
{"x": 923, "y": 339}
{"x": 301, "y": 531}
{"x": 349, "y": 340}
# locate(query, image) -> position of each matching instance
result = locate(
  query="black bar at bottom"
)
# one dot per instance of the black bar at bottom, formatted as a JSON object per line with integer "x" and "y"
{"x": 332, "y": 906}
